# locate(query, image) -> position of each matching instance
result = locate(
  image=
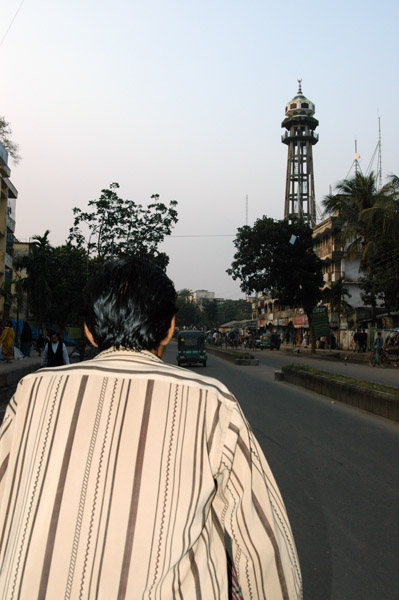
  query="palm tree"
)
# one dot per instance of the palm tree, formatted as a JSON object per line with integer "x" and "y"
{"x": 38, "y": 280}
{"x": 370, "y": 224}
{"x": 383, "y": 216}
{"x": 361, "y": 207}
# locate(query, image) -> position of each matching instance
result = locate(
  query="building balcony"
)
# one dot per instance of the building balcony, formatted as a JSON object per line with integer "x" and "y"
{"x": 329, "y": 252}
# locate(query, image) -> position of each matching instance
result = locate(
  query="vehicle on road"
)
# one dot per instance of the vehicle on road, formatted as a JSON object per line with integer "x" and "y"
{"x": 270, "y": 340}
{"x": 191, "y": 347}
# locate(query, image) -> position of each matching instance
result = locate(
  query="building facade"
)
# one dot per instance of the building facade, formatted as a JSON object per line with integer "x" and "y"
{"x": 8, "y": 196}
{"x": 200, "y": 295}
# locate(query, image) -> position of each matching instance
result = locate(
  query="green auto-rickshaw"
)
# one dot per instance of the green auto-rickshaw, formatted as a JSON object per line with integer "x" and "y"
{"x": 191, "y": 347}
{"x": 270, "y": 340}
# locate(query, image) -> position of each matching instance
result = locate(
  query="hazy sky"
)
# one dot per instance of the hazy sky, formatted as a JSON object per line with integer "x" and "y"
{"x": 186, "y": 99}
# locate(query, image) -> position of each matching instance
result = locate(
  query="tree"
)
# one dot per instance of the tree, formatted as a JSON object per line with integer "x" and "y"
{"x": 381, "y": 265}
{"x": 117, "y": 226}
{"x": 277, "y": 258}
{"x": 38, "y": 282}
{"x": 381, "y": 280}
{"x": 68, "y": 277}
{"x": 370, "y": 229}
{"x": 234, "y": 310}
{"x": 210, "y": 313}
{"x": 189, "y": 314}
{"x": 360, "y": 205}
{"x": 55, "y": 282}
{"x": 335, "y": 297}
{"x": 5, "y": 138}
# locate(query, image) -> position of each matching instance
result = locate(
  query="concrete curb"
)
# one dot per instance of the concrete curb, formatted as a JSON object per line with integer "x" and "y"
{"x": 247, "y": 362}
{"x": 333, "y": 355}
{"x": 378, "y": 403}
{"x": 239, "y": 358}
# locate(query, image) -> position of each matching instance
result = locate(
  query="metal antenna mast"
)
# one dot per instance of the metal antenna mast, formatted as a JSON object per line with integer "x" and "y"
{"x": 357, "y": 156}
{"x": 379, "y": 159}
{"x": 246, "y": 210}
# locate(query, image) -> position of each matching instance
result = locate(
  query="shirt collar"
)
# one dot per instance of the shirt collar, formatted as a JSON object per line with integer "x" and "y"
{"x": 113, "y": 353}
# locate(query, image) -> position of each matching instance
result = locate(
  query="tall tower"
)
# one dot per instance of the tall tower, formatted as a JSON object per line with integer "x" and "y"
{"x": 300, "y": 137}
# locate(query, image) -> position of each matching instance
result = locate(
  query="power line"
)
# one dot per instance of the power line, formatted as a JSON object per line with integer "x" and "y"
{"x": 12, "y": 22}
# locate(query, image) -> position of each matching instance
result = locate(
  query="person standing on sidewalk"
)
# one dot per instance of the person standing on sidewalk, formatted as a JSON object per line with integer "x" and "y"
{"x": 378, "y": 346}
{"x": 7, "y": 343}
{"x": 55, "y": 353}
{"x": 26, "y": 339}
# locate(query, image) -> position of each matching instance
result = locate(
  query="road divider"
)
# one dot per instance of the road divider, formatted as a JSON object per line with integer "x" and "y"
{"x": 236, "y": 356}
{"x": 365, "y": 395}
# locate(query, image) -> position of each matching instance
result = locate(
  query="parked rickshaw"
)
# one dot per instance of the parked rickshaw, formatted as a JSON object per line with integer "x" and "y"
{"x": 191, "y": 347}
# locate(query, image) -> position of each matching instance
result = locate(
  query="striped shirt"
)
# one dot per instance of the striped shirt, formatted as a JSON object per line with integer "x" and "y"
{"x": 121, "y": 478}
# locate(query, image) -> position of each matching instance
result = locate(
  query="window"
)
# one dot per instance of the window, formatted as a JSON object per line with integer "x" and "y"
{"x": 293, "y": 105}
{"x": 305, "y": 105}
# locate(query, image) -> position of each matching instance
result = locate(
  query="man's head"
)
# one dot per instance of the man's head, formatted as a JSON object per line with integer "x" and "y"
{"x": 54, "y": 338}
{"x": 131, "y": 303}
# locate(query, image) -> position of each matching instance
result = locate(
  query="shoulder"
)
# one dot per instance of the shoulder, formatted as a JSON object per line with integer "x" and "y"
{"x": 127, "y": 365}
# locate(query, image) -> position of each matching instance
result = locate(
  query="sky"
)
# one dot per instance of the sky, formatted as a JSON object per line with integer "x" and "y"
{"x": 185, "y": 99}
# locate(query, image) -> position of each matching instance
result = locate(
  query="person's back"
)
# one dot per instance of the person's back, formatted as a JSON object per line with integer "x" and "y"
{"x": 136, "y": 485}
{"x": 122, "y": 476}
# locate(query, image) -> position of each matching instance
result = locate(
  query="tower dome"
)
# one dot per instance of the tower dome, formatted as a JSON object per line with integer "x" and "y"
{"x": 300, "y": 105}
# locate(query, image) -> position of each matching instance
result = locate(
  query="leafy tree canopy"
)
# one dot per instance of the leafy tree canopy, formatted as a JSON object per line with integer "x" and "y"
{"x": 38, "y": 280}
{"x": 366, "y": 212}
{"x": 6, "y": 139}
{"x": 380, "y": 281}
{"x": 210, "y": 313}
{"x": 189, "y": 314}
{"x": 117, "y": 226}
{"x": 370, "y": 229}
{"x": 234, "y": 310}
{"x": 277, "y": 258}
{"x": 55, "y": 282}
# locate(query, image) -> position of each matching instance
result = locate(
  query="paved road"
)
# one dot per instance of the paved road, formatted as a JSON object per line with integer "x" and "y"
{"x": 338, "y": 471}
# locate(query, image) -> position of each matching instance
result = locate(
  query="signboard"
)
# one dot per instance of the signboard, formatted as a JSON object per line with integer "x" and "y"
{"x": 320, "y": 324}
{"x": 300, "y": 321}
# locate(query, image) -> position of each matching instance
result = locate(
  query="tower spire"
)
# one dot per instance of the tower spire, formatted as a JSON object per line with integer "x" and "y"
{"x": 299, "y": 86}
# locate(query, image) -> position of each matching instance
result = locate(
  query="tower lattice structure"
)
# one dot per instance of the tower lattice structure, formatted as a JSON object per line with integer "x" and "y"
{"x": 300, "y": 137}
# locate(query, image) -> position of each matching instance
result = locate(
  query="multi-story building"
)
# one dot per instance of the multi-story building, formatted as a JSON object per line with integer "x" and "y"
{"x": 200, "y": 295}
{"x": 20, "y": 304}
{"x": 336, "y": 266}
{"x": 8, "y": 196}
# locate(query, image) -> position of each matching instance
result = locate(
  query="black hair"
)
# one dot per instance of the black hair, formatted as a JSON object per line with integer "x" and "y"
{"x": 130, "y": 304}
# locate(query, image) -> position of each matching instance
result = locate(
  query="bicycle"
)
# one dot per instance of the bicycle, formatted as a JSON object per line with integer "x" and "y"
{"x": 383, "y": 359}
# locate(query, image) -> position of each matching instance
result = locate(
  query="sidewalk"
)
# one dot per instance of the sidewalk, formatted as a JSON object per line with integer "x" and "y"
{"x": 11, "y": 373}
{"x": 337, "y": 354}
